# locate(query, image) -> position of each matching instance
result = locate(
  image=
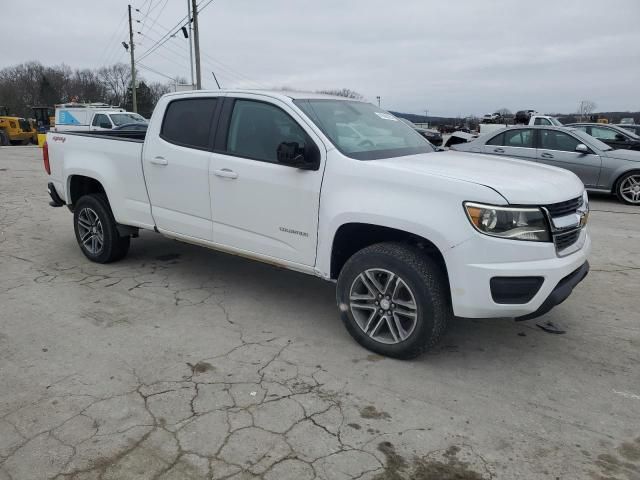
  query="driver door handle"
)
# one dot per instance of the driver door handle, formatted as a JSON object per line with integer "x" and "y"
{"x": 546, "y": 155}
{"x": 159, "y": 161}
{"x": 498, "y": 150}
{"x": 225, "y": 173}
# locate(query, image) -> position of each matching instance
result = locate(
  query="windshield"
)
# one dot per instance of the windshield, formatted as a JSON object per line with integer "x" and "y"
{"x": 629, "y": 133}
{"x": 124, "y": 118}
{"x": 363, "y": 131}
{"x": 555, "y": 121}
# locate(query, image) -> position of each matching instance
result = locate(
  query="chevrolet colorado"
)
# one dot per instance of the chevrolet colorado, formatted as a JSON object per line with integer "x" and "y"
{"x": 412, "y": 239}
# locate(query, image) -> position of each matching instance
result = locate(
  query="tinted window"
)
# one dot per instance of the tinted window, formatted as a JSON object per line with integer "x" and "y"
{"x": 99, "y": 119}
{"x": 542, "y": 121}
{"x": 603, "y": 133}
{"x": 257, "y": 129}
{"x": 518, "y": 138}
{"x": 188, "y": 122}
{"x": 497, "y": 140}
{"x": 555, "y": 140}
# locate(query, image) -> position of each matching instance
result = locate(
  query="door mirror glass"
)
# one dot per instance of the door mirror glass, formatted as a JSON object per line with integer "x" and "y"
{"x": 293, "y": 155}
{"x": 582, "y": 148}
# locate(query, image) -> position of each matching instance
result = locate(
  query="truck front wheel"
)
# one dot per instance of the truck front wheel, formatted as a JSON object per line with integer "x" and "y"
{"x": 96, "y": 230}
{"x": 393, "y": 300}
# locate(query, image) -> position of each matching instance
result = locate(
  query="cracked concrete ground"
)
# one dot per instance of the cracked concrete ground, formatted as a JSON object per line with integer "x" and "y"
{"x": 183, "y": 363}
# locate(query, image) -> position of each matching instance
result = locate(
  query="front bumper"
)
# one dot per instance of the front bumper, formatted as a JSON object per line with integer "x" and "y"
{"x": 561, "y": 292}
{"x": 473, "y": 264}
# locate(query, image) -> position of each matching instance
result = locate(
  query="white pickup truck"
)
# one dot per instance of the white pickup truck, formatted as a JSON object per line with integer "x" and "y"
{"x": 412, "y": 237}
{"x": 533, "y": 120}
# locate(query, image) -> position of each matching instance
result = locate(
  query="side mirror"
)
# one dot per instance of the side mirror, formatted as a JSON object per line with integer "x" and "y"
{"x": 582, "y": 148}
{"x": 105, "y": 125}
{"x": 304, "y": 158}
{"x": 620, "y": 137}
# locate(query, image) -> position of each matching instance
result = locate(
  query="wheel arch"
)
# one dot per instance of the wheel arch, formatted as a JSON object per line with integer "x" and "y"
{"x": 79, "y": 185}
{"x": 352, "y": 237}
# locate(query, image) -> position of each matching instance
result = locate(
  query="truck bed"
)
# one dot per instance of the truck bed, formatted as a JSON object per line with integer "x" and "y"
{"x": 112, "y": 158}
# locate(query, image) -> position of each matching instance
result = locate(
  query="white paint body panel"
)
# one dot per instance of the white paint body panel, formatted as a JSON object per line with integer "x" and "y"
{"x": 290, "y": 217}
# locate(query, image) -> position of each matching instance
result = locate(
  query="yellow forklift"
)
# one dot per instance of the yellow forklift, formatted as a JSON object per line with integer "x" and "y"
{"x": 44, "y": 119}
{"x": 15, "y": 130}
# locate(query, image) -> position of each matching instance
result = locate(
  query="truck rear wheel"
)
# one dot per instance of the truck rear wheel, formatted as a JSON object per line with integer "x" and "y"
{"x": 393, "y": 300}
{"x": 96, "y": 230}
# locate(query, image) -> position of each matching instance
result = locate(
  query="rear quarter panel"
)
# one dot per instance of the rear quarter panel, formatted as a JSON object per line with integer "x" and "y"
{"x": 115, "y": 163}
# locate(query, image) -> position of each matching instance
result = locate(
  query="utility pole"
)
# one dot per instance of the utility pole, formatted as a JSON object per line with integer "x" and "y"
{"x": 133, "y": 66}
{"x": 196, "y": 44}
{"x": 190, "y": 42}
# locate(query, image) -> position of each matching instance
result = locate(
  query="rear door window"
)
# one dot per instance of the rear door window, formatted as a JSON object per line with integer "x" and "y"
{"x": 542, "y": 121}
{"x": 188, "y": 122}
{"x": 99, "y": 120}
{"x": 522, "y": 138}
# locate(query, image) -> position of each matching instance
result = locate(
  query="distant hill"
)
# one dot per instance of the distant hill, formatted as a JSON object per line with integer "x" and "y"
{"x": 613, "y": 117}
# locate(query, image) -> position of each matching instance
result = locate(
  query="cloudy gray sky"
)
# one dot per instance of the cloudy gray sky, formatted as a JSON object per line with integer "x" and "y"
{"x": 452, "y": 58}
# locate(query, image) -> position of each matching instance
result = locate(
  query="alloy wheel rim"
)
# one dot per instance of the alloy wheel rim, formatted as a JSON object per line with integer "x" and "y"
{"x": 383, "y": 306}
{"x": 90, "y": 231}
{"x": 630, "y": 189}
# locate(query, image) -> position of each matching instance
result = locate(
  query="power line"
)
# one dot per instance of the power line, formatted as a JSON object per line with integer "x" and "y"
{"x": 156, "y": 72}
{"x": 173, "y": 29}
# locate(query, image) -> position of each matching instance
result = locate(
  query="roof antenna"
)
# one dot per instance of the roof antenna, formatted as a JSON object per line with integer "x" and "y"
{"x": 217, "y": 83}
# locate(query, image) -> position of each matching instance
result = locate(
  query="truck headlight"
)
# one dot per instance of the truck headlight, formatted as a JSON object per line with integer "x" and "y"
{"x": 509, "y": 222}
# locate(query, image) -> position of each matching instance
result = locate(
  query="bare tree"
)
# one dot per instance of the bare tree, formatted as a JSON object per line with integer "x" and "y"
{"x": 158, "y": 89}
{"x": 343, "y": 92}
{"x": 117, "y": 80}
{"x": 585, "y": 109}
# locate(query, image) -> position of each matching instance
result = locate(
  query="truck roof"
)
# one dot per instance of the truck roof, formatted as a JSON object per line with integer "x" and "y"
{"x": 281, "y": 94}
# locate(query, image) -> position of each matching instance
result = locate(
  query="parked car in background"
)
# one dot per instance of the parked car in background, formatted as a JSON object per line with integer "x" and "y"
{"x": 520, "y": 119}
{"x": 627, "y": 121}
{"x": 434, "y": 136}
{"x": 614, "y": 136}
{"x": 600, "y": 167}
{"x": 632, "y": 127}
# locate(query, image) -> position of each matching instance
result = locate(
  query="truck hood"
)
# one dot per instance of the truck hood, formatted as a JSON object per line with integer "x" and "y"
{"x": 631, "y": 155}
{"x": 519, "y": 182}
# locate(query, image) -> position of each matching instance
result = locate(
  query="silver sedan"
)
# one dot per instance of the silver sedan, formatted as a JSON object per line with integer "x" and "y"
{"x": 600, "y": 167}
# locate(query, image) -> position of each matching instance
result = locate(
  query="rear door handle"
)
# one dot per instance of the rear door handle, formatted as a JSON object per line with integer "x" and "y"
{"x": 546, "y": 155}
{"x": 159, "y": 161}
{"x": 498, "y": 150}
{"x": 226, "y": 173}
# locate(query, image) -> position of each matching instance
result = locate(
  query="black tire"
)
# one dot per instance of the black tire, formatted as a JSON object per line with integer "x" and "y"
{"x": 4, "y": 139}
{"x": 427, "y": 283}
{"x": 114, "y": 247}
{"x": 622, "y": 182}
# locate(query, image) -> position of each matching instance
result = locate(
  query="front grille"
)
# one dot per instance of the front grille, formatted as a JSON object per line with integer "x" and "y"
{"x": 564, "y": 208}
{"x": 565, "y": 240}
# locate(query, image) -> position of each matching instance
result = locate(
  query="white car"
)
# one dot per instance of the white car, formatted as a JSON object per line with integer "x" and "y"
{"x": 411, "y": 238}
